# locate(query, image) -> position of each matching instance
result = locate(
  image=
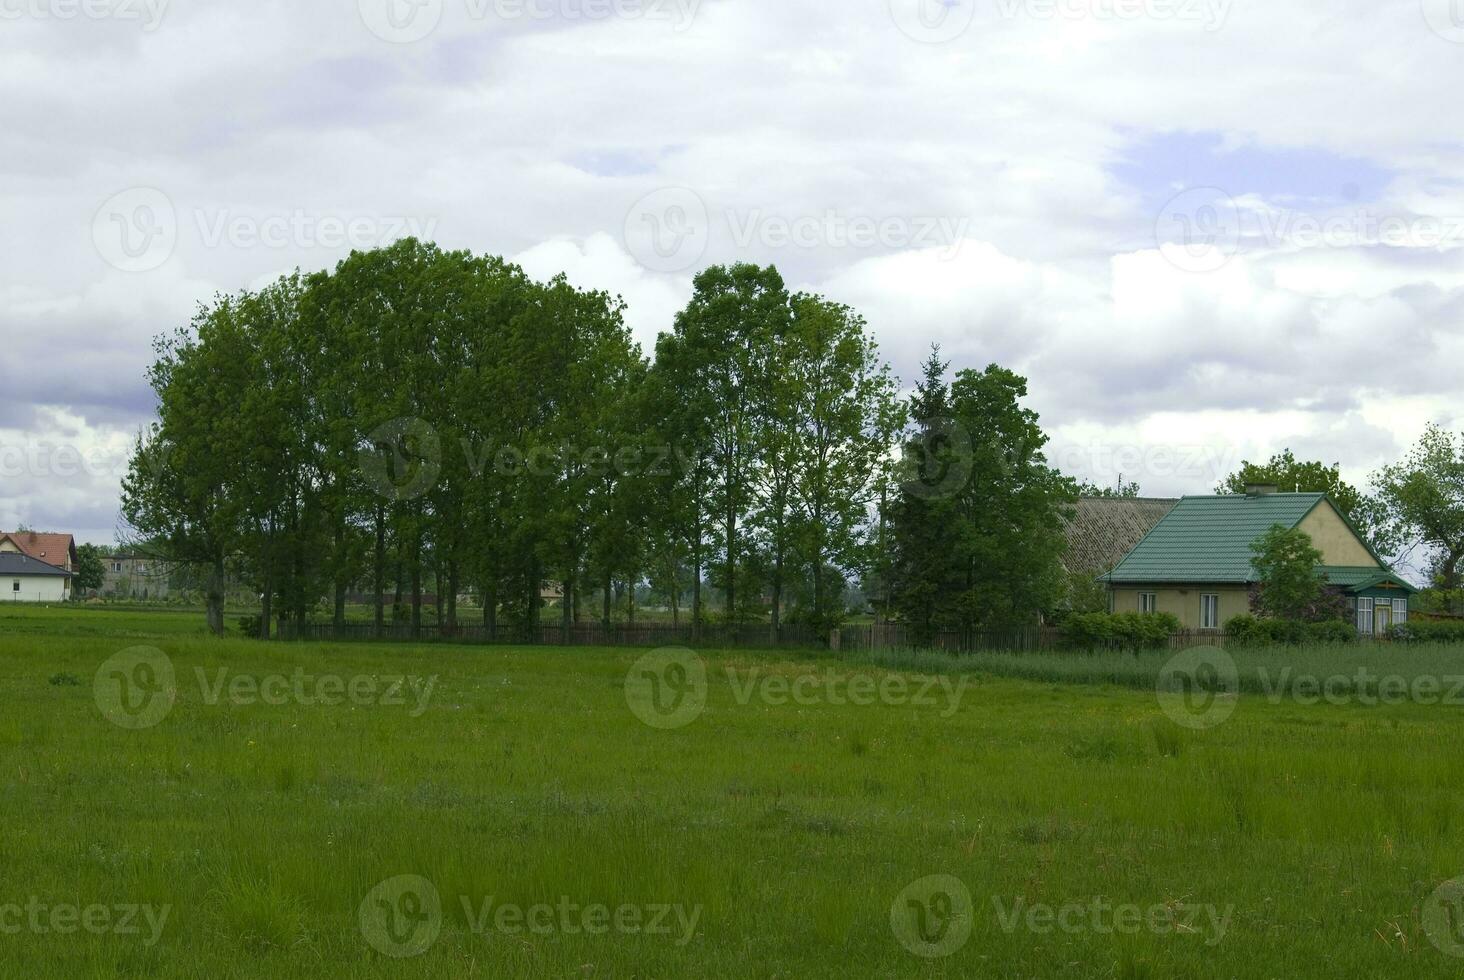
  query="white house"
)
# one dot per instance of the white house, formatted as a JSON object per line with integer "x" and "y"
{"x": 26, "y": 579}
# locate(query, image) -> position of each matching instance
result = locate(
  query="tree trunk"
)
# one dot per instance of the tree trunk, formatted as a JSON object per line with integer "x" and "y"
{"x": 339, "y": 617}
{"x": 215, "y": 598}
{"x": 731, "y": 560}
{"x": 417, "y": 589}
{"x": 566, "y": 610}
{"x": 378, "y": 572}
{"x": 777, "y": 591}
{"x": 452, "y": 595}
{"x": 605, "y": 601}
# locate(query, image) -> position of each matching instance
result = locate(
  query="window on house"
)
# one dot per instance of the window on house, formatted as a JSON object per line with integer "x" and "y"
{"x": 1400, "y": 611}
{"x": 1148, "y": 602}
{"x": 15, "y": 586}
{"x": 116, "y": 566}
{"x": 1365, "y": 616}
{"x": 1209, "y": 612}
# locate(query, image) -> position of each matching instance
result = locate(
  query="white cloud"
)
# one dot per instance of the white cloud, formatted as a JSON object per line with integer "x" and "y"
{"x": 533, "y": 138}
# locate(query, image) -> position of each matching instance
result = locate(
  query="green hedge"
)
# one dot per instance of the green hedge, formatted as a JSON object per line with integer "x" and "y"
{"x": 1120, "y": 631}
{"x": 1247, "y": 630}
{"x": 1430, "y": 631}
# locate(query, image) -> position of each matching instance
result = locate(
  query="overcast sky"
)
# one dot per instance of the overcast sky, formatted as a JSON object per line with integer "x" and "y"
{"x": 1205, "y": 229}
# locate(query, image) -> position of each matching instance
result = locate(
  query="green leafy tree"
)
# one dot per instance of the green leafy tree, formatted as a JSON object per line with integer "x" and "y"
{"x": 1290, "y": 475}
{"x": 1286, "y": 566}
{"x": 844, "y": 414}
{"x": 720, "y": 340}
{"x": 978, "y": 533}
{"x": 185, "y": 488}
{"x": 1119, "y": 491}
{"x": 1419, "y": 503}
{"x": 90, "y": 570}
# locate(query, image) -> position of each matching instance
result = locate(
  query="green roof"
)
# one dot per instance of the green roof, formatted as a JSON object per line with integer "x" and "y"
{"x": 1208, "y": 539}
{"x": 1357, "y": 579}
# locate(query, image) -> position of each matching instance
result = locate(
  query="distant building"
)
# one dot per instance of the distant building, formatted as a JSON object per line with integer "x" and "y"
{"x": 133, "y": 576}
{"x": 1196, "y": 562}
{"x": 28, "y": 583}
{"x": 26, "y": 579}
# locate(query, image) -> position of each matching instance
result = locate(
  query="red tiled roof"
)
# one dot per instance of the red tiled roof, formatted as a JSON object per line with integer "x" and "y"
{"x": 53, "y": 549}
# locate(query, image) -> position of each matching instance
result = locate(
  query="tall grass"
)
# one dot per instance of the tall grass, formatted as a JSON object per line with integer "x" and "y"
{"x": 791, "y": 826}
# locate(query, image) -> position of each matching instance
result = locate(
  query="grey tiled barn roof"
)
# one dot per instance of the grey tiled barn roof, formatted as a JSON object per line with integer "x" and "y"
{"x": 1104, "y": 529}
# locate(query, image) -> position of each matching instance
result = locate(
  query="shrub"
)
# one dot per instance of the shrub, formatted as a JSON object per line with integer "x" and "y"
{"x": 1429, "y": 631}
{"x": 1331, "y": 631}
{"x": 249, "y": 626}
{"x": 1120, "y": 631}
{"x": 1250, "y": 631}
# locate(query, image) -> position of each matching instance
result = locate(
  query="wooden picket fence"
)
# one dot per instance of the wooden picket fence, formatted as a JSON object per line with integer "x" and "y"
{"x": 857, "y": 638}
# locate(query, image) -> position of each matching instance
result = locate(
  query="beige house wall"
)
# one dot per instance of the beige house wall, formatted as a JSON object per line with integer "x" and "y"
{"x": 8, "y": 545}
{"x": 1335, "y": 540}
{"x": 1184, "y": 603}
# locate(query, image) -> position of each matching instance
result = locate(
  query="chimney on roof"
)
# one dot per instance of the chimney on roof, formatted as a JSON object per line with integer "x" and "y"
{"x": 1260, "y": 489}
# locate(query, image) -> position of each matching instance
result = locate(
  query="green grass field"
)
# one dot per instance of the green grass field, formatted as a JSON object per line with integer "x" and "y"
{"x": 783, "y": 831}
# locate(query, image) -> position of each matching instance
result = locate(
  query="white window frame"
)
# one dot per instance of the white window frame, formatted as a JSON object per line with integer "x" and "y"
{"x": 1400, "y": 611}
{"x": 15, "y": 586}
{"x": 1209, "y": 610}
{"x": 1365, "y": 615}
{"x": 1148, "y": 602}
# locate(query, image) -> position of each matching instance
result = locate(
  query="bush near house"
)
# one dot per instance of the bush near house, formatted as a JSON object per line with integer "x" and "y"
{"x": 1430, "y": 631}
{"x": 1120, "y": 631}
{"x": 1251, "y": 631}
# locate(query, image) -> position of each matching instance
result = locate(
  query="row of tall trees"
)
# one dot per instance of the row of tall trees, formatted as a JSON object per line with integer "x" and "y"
{"x": 419, "y": 420}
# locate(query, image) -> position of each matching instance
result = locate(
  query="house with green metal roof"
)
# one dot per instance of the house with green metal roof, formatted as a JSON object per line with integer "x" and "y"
{"x": 1196, "y": 562}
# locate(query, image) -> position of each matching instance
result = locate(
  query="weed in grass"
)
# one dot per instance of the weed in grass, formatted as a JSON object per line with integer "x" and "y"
{"x": 257, "y": 917}
{"x": 1169, "y": 739}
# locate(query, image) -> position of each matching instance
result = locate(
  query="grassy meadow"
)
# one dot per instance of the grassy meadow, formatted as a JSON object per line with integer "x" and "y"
{"x": 789, "y": 827}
